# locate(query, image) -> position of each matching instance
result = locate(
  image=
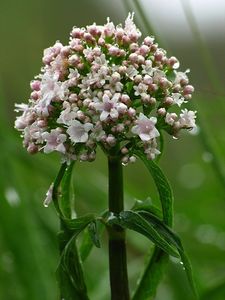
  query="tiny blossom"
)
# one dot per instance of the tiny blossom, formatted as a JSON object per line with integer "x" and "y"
{"x": 187, "y": 118}
{"x": 145, "y": 128}
{"x": 105, "y": 88}
{"x": 54, "y": 141}
{"x": 78, "y": 132}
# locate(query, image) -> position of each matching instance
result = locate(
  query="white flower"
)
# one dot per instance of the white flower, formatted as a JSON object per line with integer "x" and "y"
{"x": 147, "y": 68}
{"x": 51, "y": 89}
{"x": 140, "y": 89}
{"x": 78, "y": 132}
{"x": 158, "y": 74}
{"x": 108, "y": 107}
{"x": 187, "y": 118}
{"x": 130, "y": 28}
{"x": 68, "y": 114}
{"x": 145, "y": 128}
{"x": 180, "y": 76}
{"x": 170, "y": 118}
{"x": 54, "y": 141}
{"x": 131, "y": 72}
{"x": 178, "y": 99}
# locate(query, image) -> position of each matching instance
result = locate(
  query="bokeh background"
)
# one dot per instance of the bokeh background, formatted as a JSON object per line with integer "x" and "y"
{"x": 192, "y": 30}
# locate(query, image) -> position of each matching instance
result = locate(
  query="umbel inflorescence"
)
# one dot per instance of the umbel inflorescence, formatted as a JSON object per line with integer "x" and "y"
{"x": 107, "y": 89}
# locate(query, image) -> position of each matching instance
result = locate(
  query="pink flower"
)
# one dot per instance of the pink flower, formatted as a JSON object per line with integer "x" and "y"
{"x": 78, "y": 132}
{"x": 187, "y": 118}
{"x": 109, "y": 107}
{"x": 54, "y": 141}
{"x": 145, "y": 128}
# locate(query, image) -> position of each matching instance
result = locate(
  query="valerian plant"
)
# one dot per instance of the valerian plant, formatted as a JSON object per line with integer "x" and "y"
{"x": 107, "y": 89}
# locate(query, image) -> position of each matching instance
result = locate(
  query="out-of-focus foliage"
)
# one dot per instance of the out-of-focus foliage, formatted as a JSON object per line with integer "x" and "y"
{"x": 28, "y": 243}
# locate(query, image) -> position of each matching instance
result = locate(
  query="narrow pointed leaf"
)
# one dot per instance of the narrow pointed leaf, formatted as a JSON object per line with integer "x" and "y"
{"x": 69, "y": 271}
{"x": 147, "y": 205}
{"x": 66, "y": 197}
{"x": 78, "y": 224}
{"x": 56, "y": 186}
{"x": 134, "y": 221}
{"x": 71, "y": 268}
{"x": 149, "y": 280}
{"x": 173, "y": 238}
{"x": 87, "y": 243}
{"x": 163, "y": 187}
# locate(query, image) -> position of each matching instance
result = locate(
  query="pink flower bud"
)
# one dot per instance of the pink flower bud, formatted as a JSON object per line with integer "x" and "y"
{"x": 113, "y": 50}
{"x": 159, "y": 55}
{"x": 189, "y": 89}
{"x": 140, "y": 60}
{"x": 32, "y": 148}
{"x": 173, "y": 62}
{"x": 34, "y": 95}
{"x": 168, "y": 101}
{"x": 35, "y": 85}
{"x": 133, "y": 57}
{"x": 138, "y": 78}
{"x": 126, "y": 40}
{"x": 77, "y": 33}
{"x": 65, "y": 51}
{"x": 144, "y": 50}
{"x": 132, "y": 159}
{"x": 161, "y": 111}
{"x": 111, "y": 140}
{"x": 124, "y": 150}
{"x": 125, "y": 99}
{"x": 101, "y": 42}
{"x": 148, "y": 41}
{"x": 133, "y": 47}
{"x": 131, "y": 113}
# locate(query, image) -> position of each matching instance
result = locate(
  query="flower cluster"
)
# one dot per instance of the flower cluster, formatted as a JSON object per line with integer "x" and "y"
{"x": 105, "y": 89}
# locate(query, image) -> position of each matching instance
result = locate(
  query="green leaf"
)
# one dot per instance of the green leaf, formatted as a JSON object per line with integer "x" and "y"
{"x": 147, "y": 205}
{"x": 155, "y": 267}
{"x": 69, "y": 272}
{"x": 70, "y": 265}
{"x": 78, "y": 224}
{"x": 65, "y": 198}
{"x": 129, "y": 86}
{"x": 174, "y": 239}
{"x": 94, "y": 233}
{"x": 56, "y": 186}
{"x": 70, "y": 268}
{"x": 87, "y": 243}
{"x": 134, "y": 221}
{"x": 151, "y": 276}
{"x": 163, "y": 187}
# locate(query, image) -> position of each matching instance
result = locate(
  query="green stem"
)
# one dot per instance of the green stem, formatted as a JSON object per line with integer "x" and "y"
{"x": 117, "y": 246}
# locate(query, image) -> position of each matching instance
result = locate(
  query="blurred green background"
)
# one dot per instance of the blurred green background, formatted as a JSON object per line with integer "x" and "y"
{"x": 194, "y": 31}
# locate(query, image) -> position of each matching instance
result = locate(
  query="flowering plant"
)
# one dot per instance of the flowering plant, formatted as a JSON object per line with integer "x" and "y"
{"x": 106, "y": 89}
